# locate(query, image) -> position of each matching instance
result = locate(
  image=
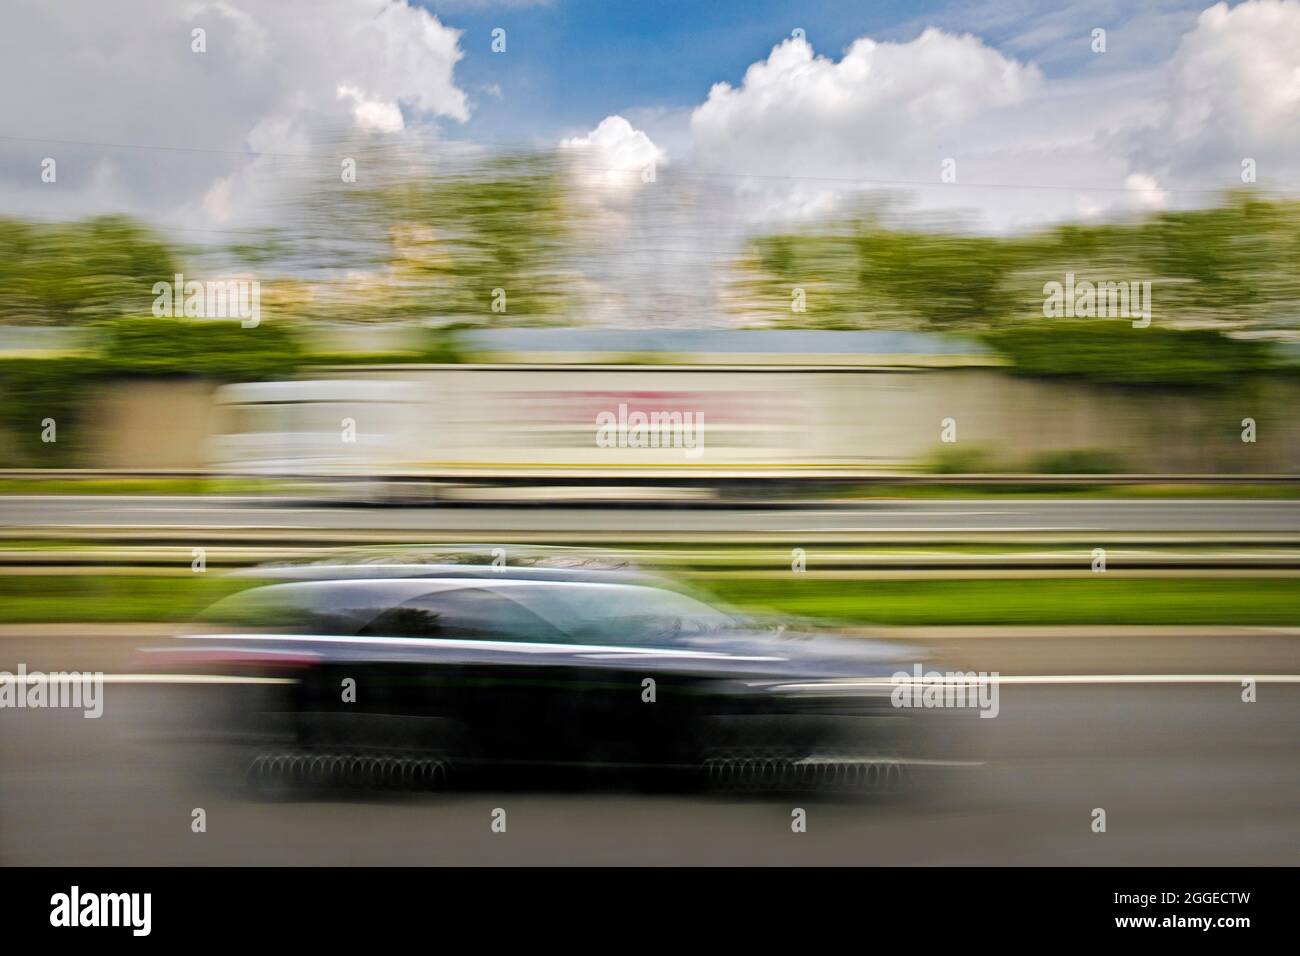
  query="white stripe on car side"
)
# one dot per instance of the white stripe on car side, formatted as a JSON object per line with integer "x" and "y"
{"x": 522, "y": 647}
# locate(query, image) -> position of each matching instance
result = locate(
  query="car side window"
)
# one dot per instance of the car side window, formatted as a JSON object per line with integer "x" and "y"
{"x": 621, "y": 614}
{"x": 472, "y": 614}
{"x": 299, "y": 609}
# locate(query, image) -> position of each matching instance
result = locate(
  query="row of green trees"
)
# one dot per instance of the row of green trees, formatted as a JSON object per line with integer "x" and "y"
{"x": 1217, "y": 277}
{"x": 1231, "y": 266}
{"x": 398, "y": 244}
{"x": 492, "y": 240}
{"x": 79, "y": 272}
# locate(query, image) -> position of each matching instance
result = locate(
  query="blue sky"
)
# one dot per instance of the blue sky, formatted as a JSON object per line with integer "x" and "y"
{"x": 570, "y": 63}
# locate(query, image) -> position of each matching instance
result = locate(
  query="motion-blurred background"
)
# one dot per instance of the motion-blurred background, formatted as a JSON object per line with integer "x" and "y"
{"x": 869, "y": 411}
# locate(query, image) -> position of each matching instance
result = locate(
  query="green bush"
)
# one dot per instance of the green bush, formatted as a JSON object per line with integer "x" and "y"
{"x": 33, "y": 389}
{"x": 438, "y": 347}
{"x": 1077, "y": 461}
{"x": 1110, "y": 351}
{"x": 963, "y": 460}
{"x": 58, "y": 387}
{"x": 211, "y": 348}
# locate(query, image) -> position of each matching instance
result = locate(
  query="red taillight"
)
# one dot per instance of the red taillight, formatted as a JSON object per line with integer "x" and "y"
{"x": 220, "y": 660}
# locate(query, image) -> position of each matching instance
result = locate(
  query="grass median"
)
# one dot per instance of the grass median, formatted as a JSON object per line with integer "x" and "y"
{"x": 1090, "y": 600}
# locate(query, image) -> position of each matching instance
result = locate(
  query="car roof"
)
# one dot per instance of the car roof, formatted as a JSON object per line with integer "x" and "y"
{"x": 482, "y": 572}
{"x": 358, "y": 599}
{"x": 405, "y": 588}
{"x": 454, "y": 560}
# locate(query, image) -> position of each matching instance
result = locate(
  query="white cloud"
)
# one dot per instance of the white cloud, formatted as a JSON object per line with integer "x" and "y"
{"x": 289, "y": 78}
{"x": 1231, "y": 92}
{"x": 878, "y": 99}
{"x": 1146, "y": 192}
{"x": 645, "y": 258}
{"x": 614, "y": 156}
{"x": 373, "y": 115}
{"x": 802, "y": 129}
{"x": 803, "y": 134}
{"x": 216, "y": 201}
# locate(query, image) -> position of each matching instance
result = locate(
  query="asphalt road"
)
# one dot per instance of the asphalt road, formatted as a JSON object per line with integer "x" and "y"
{"x": 1187, "y": 774}
{"x": 480, "y": 523}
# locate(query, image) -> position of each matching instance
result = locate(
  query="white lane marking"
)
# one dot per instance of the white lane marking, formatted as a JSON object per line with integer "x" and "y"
{"x": 58, "y": 677}
{"x": 1047, "y": 679}
{"x": 858, "y": 513}
{"x": 1153, "y": 679}
{"x": 1018, "y": 679}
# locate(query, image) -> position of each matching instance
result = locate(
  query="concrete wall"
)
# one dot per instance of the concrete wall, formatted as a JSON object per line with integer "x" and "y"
{"x": 151, "y": 424}
{"x": 874, "y": 419}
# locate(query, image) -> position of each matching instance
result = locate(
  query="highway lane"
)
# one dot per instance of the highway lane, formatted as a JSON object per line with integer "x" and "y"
{"x": 481, "y": 523}
{"x": 1186, "y": 775}
{"x": 116, "y": 648}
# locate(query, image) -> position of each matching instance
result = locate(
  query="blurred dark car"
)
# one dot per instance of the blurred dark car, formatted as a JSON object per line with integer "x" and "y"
{"x": 419, "y": 675}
